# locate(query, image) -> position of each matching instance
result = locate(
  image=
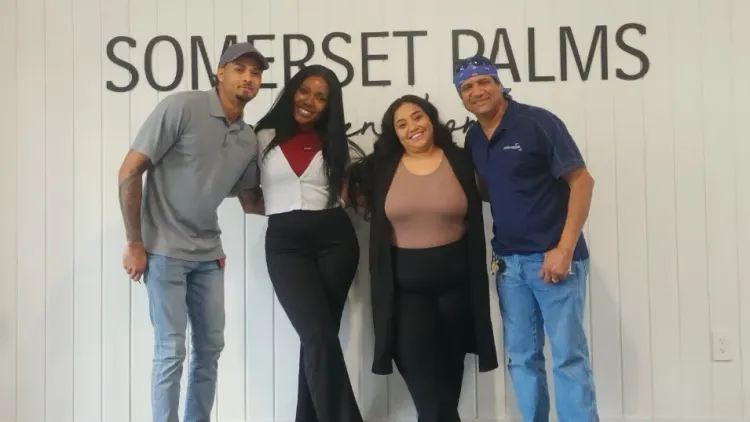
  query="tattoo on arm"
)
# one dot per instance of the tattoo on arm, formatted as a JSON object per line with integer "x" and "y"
{"x": 130, "y": 202}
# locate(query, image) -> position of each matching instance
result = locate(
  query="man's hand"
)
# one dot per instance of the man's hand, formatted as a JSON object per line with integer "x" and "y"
{"x": 557, "y": 264}
{"x": 134, "y": 260}
{"x": 252, "y": 201}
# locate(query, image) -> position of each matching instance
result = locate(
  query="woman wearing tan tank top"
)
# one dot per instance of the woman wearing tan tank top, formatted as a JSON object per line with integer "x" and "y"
{"x": 429, "y": 283}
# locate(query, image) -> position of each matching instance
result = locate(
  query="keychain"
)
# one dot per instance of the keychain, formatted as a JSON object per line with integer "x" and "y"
{"x": 497, "y": 265}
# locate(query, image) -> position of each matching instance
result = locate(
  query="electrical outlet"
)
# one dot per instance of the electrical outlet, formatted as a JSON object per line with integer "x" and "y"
{"x": 723, "y": 346}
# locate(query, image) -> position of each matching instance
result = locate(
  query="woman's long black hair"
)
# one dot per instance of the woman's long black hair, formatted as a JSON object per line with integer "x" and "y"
{"x": 387, "y": 146}
{"x": 331, "y": 127}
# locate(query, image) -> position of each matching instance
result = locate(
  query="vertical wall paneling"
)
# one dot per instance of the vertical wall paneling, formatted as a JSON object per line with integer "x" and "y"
{"x": 9, "y": 121}
{"x": 721, "y": 222}
{"x": 32, "y": 209}
{"x": 88, "y": 55}
{"x": 115, "y": 140}
{"x": 663, "y": 282}
{"x": 59, "y": 215}
{"x": 690, "y": 216}
{"x": 667, "y": 228}
{"x": 631, "y": 225}
{"x": 739, "y": 12}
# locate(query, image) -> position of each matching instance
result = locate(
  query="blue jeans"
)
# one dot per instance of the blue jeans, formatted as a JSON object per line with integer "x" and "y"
{"x": 178, "y": 290}
{"x": 528, "y": 307}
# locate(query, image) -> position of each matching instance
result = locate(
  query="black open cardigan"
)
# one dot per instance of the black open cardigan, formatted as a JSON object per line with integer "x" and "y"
{"x": 370, "y": 179}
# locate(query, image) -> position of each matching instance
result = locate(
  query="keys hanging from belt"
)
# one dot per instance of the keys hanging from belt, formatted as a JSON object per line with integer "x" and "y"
{"x": 497, "y": 265}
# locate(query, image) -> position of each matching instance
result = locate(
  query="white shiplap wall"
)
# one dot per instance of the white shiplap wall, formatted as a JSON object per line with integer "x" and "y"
{"x": 669, "y": 226}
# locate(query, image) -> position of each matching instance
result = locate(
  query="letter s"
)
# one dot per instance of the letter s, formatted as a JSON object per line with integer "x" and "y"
{"x": 122, "y": 63}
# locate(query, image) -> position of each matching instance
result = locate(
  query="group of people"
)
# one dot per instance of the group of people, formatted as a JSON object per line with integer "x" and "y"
{"x": 421, "y": 193}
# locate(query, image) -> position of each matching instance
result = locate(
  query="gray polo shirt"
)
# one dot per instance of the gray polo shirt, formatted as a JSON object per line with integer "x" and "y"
{"x": 199, "y": 160}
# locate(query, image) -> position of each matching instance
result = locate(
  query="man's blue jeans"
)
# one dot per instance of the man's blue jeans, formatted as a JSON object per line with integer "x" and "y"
{"x": 178, "y": 290}
{"x": 528, "y": 307}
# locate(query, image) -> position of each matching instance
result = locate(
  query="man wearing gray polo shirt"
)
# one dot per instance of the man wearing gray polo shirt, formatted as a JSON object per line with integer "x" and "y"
{"x": 196, "y": 150}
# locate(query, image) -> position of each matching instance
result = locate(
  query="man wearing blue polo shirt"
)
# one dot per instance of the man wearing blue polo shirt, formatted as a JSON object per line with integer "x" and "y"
{"x": 539, "y": 190}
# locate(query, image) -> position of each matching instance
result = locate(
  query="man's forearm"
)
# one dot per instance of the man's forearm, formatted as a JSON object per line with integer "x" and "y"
{"x": 579, "y": 204}
{"x": 131, "y": 190}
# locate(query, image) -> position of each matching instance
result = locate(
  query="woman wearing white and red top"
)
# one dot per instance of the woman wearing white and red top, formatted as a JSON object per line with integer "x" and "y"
{"x": 312, "y": 249}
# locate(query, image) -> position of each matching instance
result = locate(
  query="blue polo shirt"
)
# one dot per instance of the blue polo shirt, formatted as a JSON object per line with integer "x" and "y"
{"x": 521, "y": 166}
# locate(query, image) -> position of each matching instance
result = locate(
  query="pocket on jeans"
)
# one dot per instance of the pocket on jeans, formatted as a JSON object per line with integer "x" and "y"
{"x": 509, "y": 277}
{"x": 152, "y": 260}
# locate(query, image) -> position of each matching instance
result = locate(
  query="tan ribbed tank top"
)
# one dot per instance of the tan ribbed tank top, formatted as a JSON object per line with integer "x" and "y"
{"x": 426, "y": 210}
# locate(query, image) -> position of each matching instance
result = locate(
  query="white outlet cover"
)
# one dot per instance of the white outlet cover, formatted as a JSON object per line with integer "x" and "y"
{"x": 722, "y": 346}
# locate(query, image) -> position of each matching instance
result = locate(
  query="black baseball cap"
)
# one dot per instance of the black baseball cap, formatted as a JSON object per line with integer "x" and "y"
{"x": 234, "y": 51}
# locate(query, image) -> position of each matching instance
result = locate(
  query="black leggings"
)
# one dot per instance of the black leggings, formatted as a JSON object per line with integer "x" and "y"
{"x": 312, "y": 259}
{"x": 433, "y": 317}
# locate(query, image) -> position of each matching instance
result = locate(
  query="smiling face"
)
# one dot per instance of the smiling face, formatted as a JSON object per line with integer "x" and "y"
{"x": 310, "y": 100}
{"x": 413, "y": 128}
{"x": 481, "y": 95}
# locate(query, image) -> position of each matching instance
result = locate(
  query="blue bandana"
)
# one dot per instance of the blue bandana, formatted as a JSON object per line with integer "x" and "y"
{"x": 474, "y": 66}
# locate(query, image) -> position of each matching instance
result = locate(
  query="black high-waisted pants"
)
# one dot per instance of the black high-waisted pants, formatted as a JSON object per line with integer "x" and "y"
{"x": 312, "y": 259}
{"x": 432, "y": 321}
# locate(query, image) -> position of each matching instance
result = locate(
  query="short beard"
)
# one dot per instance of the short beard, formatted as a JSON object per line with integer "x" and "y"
{"x": 243, "y": 99}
